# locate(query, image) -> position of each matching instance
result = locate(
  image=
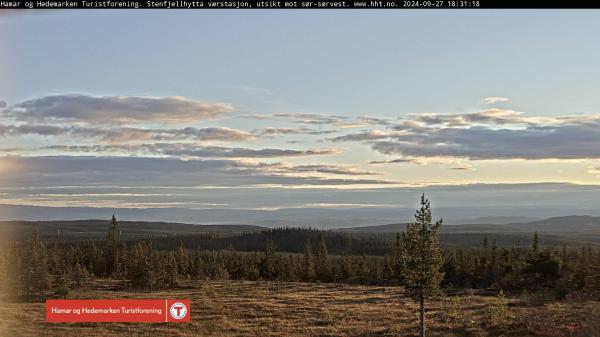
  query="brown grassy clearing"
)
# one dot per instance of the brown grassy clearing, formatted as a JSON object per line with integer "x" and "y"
{"x": 255, "y": 309}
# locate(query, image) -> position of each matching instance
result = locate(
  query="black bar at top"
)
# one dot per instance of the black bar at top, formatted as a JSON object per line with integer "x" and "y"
{"x": 308, "y": 4}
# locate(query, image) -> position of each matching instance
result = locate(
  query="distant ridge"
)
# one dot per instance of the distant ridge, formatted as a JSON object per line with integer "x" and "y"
{"x": 96, "y": 229}
{"x": 316, "y": 217}
{"x": 571, "y": 223}
{"x": 569, "y": 230}
{"x": 498, "y": 220}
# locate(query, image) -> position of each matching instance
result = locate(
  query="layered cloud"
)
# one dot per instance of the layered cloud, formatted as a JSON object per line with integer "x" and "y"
{"x": 488, "y": 134}
{"x": 129, "y": 134}
{"x": 75, "y": 108}
{"x": 153, "y": 129}
{"x": 327, "y": 169}
{"x": 559, "y": 142}
{"x": 157, "y": 172}
{"x": 494, "y": 117}
{"x": 187, "y": 150}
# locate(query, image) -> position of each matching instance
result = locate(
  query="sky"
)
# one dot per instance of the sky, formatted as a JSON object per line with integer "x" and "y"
{"x": 150, "y": 109}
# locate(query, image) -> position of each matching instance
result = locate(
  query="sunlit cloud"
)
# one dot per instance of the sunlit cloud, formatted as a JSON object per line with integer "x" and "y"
{"x": 392, "y": 161}
{"x": 375, "y": 120}
{"x": 128, "y": 134}
{"x": 594, "y": 170}
{"x": 115, "y": 128}
{"x": 327, "y": 169}
{"x": 272, "y": 131}
{"x": 363, "y": 136}
{"x": 77, "y": 108}
{"x": 187, "y": 150}
{"x": 140, "y": 171}
{"x": 487, "y": 134}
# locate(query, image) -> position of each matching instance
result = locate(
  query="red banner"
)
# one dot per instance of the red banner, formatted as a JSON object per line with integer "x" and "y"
{"x": 120, "y": 310}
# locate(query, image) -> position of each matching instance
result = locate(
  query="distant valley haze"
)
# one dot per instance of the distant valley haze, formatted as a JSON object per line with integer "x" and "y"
{"x": 491, "y": 204}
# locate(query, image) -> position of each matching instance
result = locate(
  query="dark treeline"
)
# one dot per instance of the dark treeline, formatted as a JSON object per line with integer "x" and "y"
{"x": 37, "y": 269}
{"x": 288, "y": 239}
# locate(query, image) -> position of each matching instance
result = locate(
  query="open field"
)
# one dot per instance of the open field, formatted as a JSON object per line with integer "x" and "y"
{"x": 236, "y": 308}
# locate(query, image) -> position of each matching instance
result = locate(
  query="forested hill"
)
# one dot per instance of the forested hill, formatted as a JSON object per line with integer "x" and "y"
{"x": 569, "y": 230}
{"x": 293, "y": 239}
{"x": 373, "y": 240}
{"x": 131, "y": 230}
{"x": 580, "y": 223}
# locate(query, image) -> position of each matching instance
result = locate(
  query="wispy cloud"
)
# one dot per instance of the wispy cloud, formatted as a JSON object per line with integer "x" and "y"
{"x": 450, "y": 163}
{"x": 488, "y": 116}
{"x": 392, "y": 161}
{"x": 255, "y": 90}
{"x": 309, "y": 118}
{"x": 188, "y": 150}
{"x": 272, "y": 131}
{"x": 330, "y": 169}
{"x": 128, "y": 134}
{"x": 375, "y": 120}
{"x": 363, "y": 136}
{"x": 494, "y": 99}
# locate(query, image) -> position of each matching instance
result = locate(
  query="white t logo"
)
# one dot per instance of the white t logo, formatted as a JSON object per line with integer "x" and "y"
{"x": 178, "y": 310}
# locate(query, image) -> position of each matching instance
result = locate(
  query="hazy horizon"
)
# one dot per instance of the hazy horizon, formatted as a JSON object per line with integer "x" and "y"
{"x": 313, "y": 207}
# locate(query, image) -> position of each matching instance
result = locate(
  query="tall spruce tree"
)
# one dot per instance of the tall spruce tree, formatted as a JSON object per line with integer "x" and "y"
{"x": 535, "y": 244}
{"x": 592, "y": 280}
{"x": 322, "y": 264}
{"x": 182, "y": 260}
{"x": 398, "y": 263}
{"x": 423, "y": 259}
{"x": 347, "y": 269}
{"x": 34, "y": 277}
{"x": 112, "y": 250}
{"x": 268, "y": 265}
{"x": 139, "y": 272}
{"x": 308, "y": 263}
